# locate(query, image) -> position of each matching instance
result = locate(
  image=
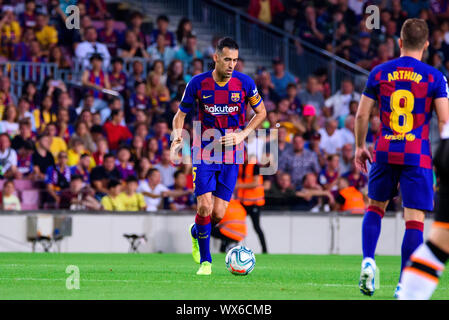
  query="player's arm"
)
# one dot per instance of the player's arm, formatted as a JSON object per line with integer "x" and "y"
{"x": 442, "y": 110}
{"x": 362, "y": 154}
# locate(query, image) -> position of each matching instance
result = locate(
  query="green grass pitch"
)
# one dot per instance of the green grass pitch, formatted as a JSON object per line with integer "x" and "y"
{"x": 172, "y": 276}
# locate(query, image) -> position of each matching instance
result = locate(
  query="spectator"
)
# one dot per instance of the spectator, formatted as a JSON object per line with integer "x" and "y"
{"x": 309, "y": 125}
{"x": 312, "y": 94}
{"x": 281, "y": 78}
{"x": 30, "y": 93}
{"x": 292, "y": 96}
{"x": 123, "y": 164}
{"x": 413, "y": 7}
{"x": 160, "y": 132}
{"x": 57, "y": 144}
{"x": 162, "y": 28}
{"x": 82, "y": 132}
{"x": 314, "y": 145}
{"x": 284, "y": 147}
{"x": 158, "y": 93}
{"x": 136, "y": 20}
{"x": 65, "y": 128}
{"x": 312, "y": 195}
{"x": 112, "y": 201}
{"x": 308, "y": 29}
{"x": 329, "y": 176}
{"x": 356, "y": 178}
{"x": 9, "y": 200}
{"x": 137, "y": 148}
{"x": 152, "y": 189}
{"x": 24, "y": 158}
{"x": 83, "y": 167}
{"x": 176, "y": 77}
{"x": 9, "y": 123}
{"x": 101, "y": 175}
{"x": 282, "y": 194}
{"x": 188, "y": 52}
{"x": 110, "y": 36}
{"x": 25, "y": 135}
{"x": 102, "y": 150}
{"x": 7, "y": 98}
{"x": 159, "y": 68}
{"x": 11, "y": 31}
{"x": 266, "y": 89}
{"x": 45, "y": 34}
{"x": 184, "y": 201}
{"x": 374, "y": 130}
{"x": 361, "y": 53}
{"x": 22, "y": 49}
{"x": 383, "y": 55}
{"x": 166, "y": 168}
{"x": 183, "y": 31}
{"x": 8, "y": 159}
{"x": 300, "y": 162}
{"x": 331, "y": 138}
{"x": 57, "y": 179}
{"x": 347, "y": 132}
{"x": 142, "y": 168}
{"x": 210, "y": 50}
{"x": 90, "y": 46}
{"x": 76, "y": 151}
{"x": 115, "y": 132}
{"x": 57, "y": 56}
{"x": 44, "y": 115}
{"x": 117, "y": 77}
{"x": 133, "y": 47}
{"x": 139, "y": 100}
{"x": 265, "y": 10}
{"x": 27, "y": 19}
{"x": 132, "y": 200}
{"x": 338, "y": 105}
{"x": 79, "y": 196}
{"x": 42, "y": 158}
{"x": 35, "y": 53}
{"x": 347, "y": 153}
{"x": 136, "y": 75}
{"x": 153, "y": 153}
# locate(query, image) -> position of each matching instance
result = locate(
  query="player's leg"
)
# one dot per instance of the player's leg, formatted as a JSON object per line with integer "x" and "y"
{"x": 226, "y": 181}
{"x": 382, "y": 185}
{"x": 254, "y": 213}
{"x": 417, "y": 197}
{"x": 204, "y": 184}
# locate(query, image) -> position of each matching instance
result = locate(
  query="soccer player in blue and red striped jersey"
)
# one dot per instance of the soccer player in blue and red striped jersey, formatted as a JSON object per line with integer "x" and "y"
{"x": 406, "y": 90}
{"x": 220, "y": 98}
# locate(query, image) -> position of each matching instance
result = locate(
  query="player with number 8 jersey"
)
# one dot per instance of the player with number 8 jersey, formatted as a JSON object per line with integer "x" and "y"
{"x": 407, "y": 91}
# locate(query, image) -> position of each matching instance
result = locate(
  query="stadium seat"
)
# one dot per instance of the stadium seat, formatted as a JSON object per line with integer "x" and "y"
{"x": 30, "y": 199}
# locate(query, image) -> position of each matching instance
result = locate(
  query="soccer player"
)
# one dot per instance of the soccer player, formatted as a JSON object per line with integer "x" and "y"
{"x": 406, "y": 90}
{"x": 422, "y": 272}
{"x": 220, "y": 98}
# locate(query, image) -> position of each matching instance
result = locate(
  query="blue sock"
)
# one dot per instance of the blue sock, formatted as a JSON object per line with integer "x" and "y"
{"x": 372, "y": 221}
{"x": 203, "y": 228}
{"x": 413, "y": 238}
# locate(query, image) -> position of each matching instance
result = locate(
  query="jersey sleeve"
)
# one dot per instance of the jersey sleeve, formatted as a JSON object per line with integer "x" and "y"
{"x": 253, "y": 95}
{"x": 441, "y": 87}
{"x": 371, "y": 85}
{"x": 189, "y": 97}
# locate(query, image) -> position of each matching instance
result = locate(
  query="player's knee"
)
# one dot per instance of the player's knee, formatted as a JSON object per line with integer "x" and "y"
{"x": 379, "y": 204}
{"x": 204, "y": 210}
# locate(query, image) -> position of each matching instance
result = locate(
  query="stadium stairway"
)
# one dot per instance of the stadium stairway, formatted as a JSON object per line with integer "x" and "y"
{"x": 201, "y": 30}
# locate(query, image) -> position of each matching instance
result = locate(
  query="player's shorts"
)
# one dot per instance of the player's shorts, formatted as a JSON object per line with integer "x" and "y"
{"x": 415, "y": 183}
{"x": 219, "y": 179}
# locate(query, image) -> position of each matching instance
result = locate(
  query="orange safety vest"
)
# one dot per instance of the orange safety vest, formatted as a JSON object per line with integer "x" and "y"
{"x": 354, "y": 200}
{"x": 254, "y": 196}
{"x": 233, "y": 224}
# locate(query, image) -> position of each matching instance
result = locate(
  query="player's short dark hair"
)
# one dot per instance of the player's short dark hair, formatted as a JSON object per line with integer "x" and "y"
{"x": 414, "y": 33}
{"x": 227, "y": 42}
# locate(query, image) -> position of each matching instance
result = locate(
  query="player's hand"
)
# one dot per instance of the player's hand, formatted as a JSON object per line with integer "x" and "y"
{"x": 361, "y": 155}
{"x": 232, "y": 139}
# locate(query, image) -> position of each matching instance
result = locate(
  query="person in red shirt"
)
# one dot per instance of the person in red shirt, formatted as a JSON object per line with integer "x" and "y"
{"x": 115, "y": 132}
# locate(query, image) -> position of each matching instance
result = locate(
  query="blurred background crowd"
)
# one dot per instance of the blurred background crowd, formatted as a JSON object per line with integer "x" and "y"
{"x": 102, "y": 142}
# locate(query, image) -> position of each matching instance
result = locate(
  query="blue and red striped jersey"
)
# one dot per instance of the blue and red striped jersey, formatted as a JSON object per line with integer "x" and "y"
{"x": 220, "y": 106}
{"x": 405, "y": 89}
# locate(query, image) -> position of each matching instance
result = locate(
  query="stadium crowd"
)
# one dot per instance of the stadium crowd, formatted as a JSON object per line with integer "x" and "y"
{"x": 106, "y": 146}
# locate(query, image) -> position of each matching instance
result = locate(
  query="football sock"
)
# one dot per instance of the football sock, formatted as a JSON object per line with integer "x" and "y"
{"x": 194, "y": 232}
{"x": 413, "y": 237}
{"x": 371, "y": 230}
{"x": 203, "y": 229}
{"x": 421, "y": 274}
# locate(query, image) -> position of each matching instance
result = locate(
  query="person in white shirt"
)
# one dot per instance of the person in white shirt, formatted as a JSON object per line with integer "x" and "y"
{"x": 8, "y": 158}
{"x": 331, "y": 138}
{"x": 152, "y": 190}
{"x": 347, "y": 132}
{"x": 166, "y": 169}
{"x": 338, "y": 104}
{"x": 9, "y": 200}
{"x": 86, "y": 48}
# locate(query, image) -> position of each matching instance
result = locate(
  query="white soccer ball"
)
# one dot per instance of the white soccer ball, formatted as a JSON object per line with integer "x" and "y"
{"x": 240, "y": 260}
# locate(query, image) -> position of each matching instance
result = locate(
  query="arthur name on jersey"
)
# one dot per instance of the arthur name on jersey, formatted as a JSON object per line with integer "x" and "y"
{"x": 220, "y": 109}
{"x": 404, "y": 75}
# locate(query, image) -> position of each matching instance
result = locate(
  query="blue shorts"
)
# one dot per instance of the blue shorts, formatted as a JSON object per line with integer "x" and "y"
{"x": 415, "y": 183}
{"x": 219, "y": 179}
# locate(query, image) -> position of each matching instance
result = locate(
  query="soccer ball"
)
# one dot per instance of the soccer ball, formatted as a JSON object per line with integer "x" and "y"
{"x": 240, "y": 260}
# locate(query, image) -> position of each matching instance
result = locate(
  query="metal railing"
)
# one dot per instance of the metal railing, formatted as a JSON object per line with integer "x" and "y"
{"x": 262, "y": 40}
